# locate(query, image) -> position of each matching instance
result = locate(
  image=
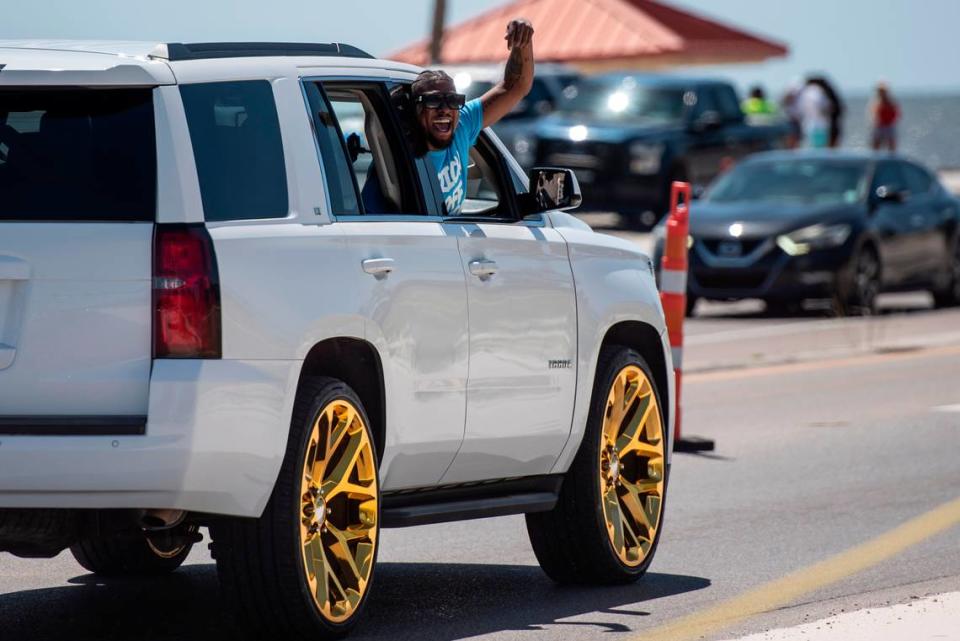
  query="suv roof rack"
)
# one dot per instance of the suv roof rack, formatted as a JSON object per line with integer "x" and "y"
{"x": 210, "y": 50}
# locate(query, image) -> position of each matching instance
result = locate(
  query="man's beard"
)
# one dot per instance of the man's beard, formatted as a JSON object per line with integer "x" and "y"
{"x": 436, "y": 143}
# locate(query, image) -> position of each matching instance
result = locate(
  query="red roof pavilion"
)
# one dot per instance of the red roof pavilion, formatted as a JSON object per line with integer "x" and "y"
{"x": 596, "y": 35}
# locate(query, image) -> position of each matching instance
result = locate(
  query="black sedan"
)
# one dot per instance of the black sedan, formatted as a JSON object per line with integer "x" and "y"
{"x": 789, "y": 226}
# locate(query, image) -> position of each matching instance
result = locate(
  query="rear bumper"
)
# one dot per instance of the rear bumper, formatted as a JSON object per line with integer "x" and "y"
{"x": 215, "y": 437}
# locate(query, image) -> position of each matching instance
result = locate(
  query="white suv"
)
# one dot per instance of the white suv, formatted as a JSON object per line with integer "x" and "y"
{"x": 230, "y": 297}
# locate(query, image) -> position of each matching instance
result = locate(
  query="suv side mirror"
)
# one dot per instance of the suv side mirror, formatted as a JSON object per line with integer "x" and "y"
{"x": 890, "y": 194}
{"x": 552, "y": 188}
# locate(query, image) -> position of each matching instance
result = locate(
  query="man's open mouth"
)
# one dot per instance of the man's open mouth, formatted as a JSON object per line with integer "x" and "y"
{"x": 443, "y": 126}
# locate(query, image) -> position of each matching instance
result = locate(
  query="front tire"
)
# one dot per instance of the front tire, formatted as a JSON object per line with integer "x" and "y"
{"x": 607, "y": 521}
{"x": 864, "y": 287}
{"x": 304, "y": 569}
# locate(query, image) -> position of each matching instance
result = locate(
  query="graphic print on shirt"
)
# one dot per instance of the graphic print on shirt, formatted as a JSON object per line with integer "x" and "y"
{"x": 451, "y": 185}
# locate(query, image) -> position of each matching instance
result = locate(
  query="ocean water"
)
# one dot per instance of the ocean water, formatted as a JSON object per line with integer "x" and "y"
{"x": 929, "y": 128}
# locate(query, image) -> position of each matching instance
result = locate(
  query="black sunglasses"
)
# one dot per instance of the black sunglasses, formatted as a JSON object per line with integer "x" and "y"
{"x": 438, "y": 100}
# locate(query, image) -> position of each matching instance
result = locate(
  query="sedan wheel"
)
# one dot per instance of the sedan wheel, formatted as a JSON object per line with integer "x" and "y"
{"x": 951, "y": 295}
{"x": 861, "y": 300}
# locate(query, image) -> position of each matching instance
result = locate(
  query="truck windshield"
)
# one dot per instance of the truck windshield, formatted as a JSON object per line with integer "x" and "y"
{"x": 628, "y": 100}
{"x": 792, "y": 181}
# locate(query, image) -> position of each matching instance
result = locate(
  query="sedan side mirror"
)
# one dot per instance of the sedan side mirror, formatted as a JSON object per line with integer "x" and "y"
{"x": 552, "y": 188}
{"x": 890, "y": 194}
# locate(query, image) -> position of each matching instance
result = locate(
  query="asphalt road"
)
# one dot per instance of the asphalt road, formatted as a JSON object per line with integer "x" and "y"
{"x": 814, "y": 456}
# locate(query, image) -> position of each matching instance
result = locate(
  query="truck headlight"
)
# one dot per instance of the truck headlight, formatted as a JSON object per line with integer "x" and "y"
{"x": 645, "y": 157}
{"x": 523, "y": 150}
{"x": 819, "y": 236}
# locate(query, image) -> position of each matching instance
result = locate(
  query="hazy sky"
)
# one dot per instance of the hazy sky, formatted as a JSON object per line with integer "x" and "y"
{"x": 913, "y": 44}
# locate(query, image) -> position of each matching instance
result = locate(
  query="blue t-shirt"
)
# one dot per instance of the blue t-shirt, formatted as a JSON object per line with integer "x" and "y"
{"x": 451, "y": 163}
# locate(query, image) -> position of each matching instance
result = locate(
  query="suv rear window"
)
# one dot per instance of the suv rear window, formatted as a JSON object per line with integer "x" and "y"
{"x": 236, "y": 143}
{"x": 77, "y": 155}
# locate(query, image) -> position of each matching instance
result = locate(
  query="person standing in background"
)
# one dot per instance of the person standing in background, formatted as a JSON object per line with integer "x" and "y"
{"x": 835, "y": 109}
{"x": 883, "y": 114}
{"x": 814, "y": 107}
{"x": 757, "y": 104}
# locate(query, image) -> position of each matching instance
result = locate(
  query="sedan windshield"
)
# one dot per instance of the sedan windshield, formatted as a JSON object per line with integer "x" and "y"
{"x": 627, "y": 100}
{"x": 792, "y": 181}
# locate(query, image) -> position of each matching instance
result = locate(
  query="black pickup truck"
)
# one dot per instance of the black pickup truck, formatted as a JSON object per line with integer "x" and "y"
{"x": 629, "y": 136}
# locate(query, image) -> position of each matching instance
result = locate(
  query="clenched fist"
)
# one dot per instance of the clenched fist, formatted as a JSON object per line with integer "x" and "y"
{"x": 519, "y": 33}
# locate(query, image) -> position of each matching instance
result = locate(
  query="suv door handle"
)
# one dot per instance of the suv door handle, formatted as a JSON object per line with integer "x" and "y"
{"x": 483, "y": 268}
{"x": 379, "y": 267}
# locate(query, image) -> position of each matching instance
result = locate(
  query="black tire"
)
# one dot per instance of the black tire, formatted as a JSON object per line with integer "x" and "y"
{"x": 571, "y": 542}
{"x": 779, "y": 307}
{"x": 859, "y": 298}
{"x": 261, "y": 563}
{"x": 950, "y": 295}
{"x": 691, "y": 305}
{"x": 132, "y": 554}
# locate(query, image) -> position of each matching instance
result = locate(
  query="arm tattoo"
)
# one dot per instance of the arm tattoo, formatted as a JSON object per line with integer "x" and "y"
{"x": 514, "y": 69}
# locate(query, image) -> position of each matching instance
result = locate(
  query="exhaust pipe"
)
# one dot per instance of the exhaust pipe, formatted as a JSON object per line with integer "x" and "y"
{"x": 161, "y": 519}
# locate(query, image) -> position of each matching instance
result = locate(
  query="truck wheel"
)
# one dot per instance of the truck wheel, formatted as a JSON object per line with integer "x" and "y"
{"x": 607, "y": 521}
{"x": 134, "y": 554}
{"x": 304, "y": 569}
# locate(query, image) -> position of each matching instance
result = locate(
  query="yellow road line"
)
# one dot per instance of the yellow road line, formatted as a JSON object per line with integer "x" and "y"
{"x": 781, "y": 592}
{"x": 790, "y": 368}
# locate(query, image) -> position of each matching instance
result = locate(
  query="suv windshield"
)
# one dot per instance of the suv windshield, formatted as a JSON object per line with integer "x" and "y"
{"x": 627, "y": 100}
{"x": 792, "y": 181}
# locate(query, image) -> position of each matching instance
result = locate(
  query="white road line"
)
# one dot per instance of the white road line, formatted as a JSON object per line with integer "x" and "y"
{"x": 933, "y": 617}
{"x": 947, "y": 408}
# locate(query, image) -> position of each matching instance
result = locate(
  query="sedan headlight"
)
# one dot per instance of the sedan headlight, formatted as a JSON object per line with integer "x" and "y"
{"x": 645, "y": 157}
{"x": 819, "y": 236}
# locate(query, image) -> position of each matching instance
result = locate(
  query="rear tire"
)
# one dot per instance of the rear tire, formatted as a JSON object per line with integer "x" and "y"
{"x": 950, "y": 296}
{"x": 304, "y": 569}
{"x": 607, "y": 521}
{"x": 135, "y": 554}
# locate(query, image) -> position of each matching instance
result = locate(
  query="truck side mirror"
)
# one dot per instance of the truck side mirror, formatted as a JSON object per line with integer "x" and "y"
{"x": 706, "y": 120}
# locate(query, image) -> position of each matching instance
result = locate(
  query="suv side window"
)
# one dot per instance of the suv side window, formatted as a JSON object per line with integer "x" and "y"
{"x": 235, "y": 133}
{"x": 378, "y": 155}
{"x": 491, "y": 185}
{"x": 341, "y": 187}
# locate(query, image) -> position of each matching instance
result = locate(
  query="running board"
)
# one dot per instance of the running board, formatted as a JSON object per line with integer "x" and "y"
{"x": 470, "y": 501}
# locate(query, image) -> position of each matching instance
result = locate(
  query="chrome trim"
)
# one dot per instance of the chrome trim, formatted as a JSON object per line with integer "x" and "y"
{"x": 713, "y": 260}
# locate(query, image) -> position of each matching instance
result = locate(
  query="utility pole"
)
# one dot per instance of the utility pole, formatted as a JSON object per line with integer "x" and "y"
{"x": 436, "y": 32}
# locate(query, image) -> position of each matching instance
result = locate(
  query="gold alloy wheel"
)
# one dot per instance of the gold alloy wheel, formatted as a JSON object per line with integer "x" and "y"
{"x": 631, "y": 465}
{"x": 338, "y": 510}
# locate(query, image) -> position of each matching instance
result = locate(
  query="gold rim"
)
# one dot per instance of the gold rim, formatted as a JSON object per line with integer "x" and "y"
{"x": 631, "y": 466}
{"x": 338, "y": 510}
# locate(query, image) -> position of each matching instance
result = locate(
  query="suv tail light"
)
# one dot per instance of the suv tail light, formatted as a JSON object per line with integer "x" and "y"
{"x": 186, "y": 293}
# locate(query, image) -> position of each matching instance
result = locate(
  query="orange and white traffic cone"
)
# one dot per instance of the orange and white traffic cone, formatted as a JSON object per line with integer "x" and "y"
{"x": 673, "y": 297}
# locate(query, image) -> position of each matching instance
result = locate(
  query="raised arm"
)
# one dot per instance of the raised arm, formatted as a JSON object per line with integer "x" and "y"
{"x": 517, "y": 75}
